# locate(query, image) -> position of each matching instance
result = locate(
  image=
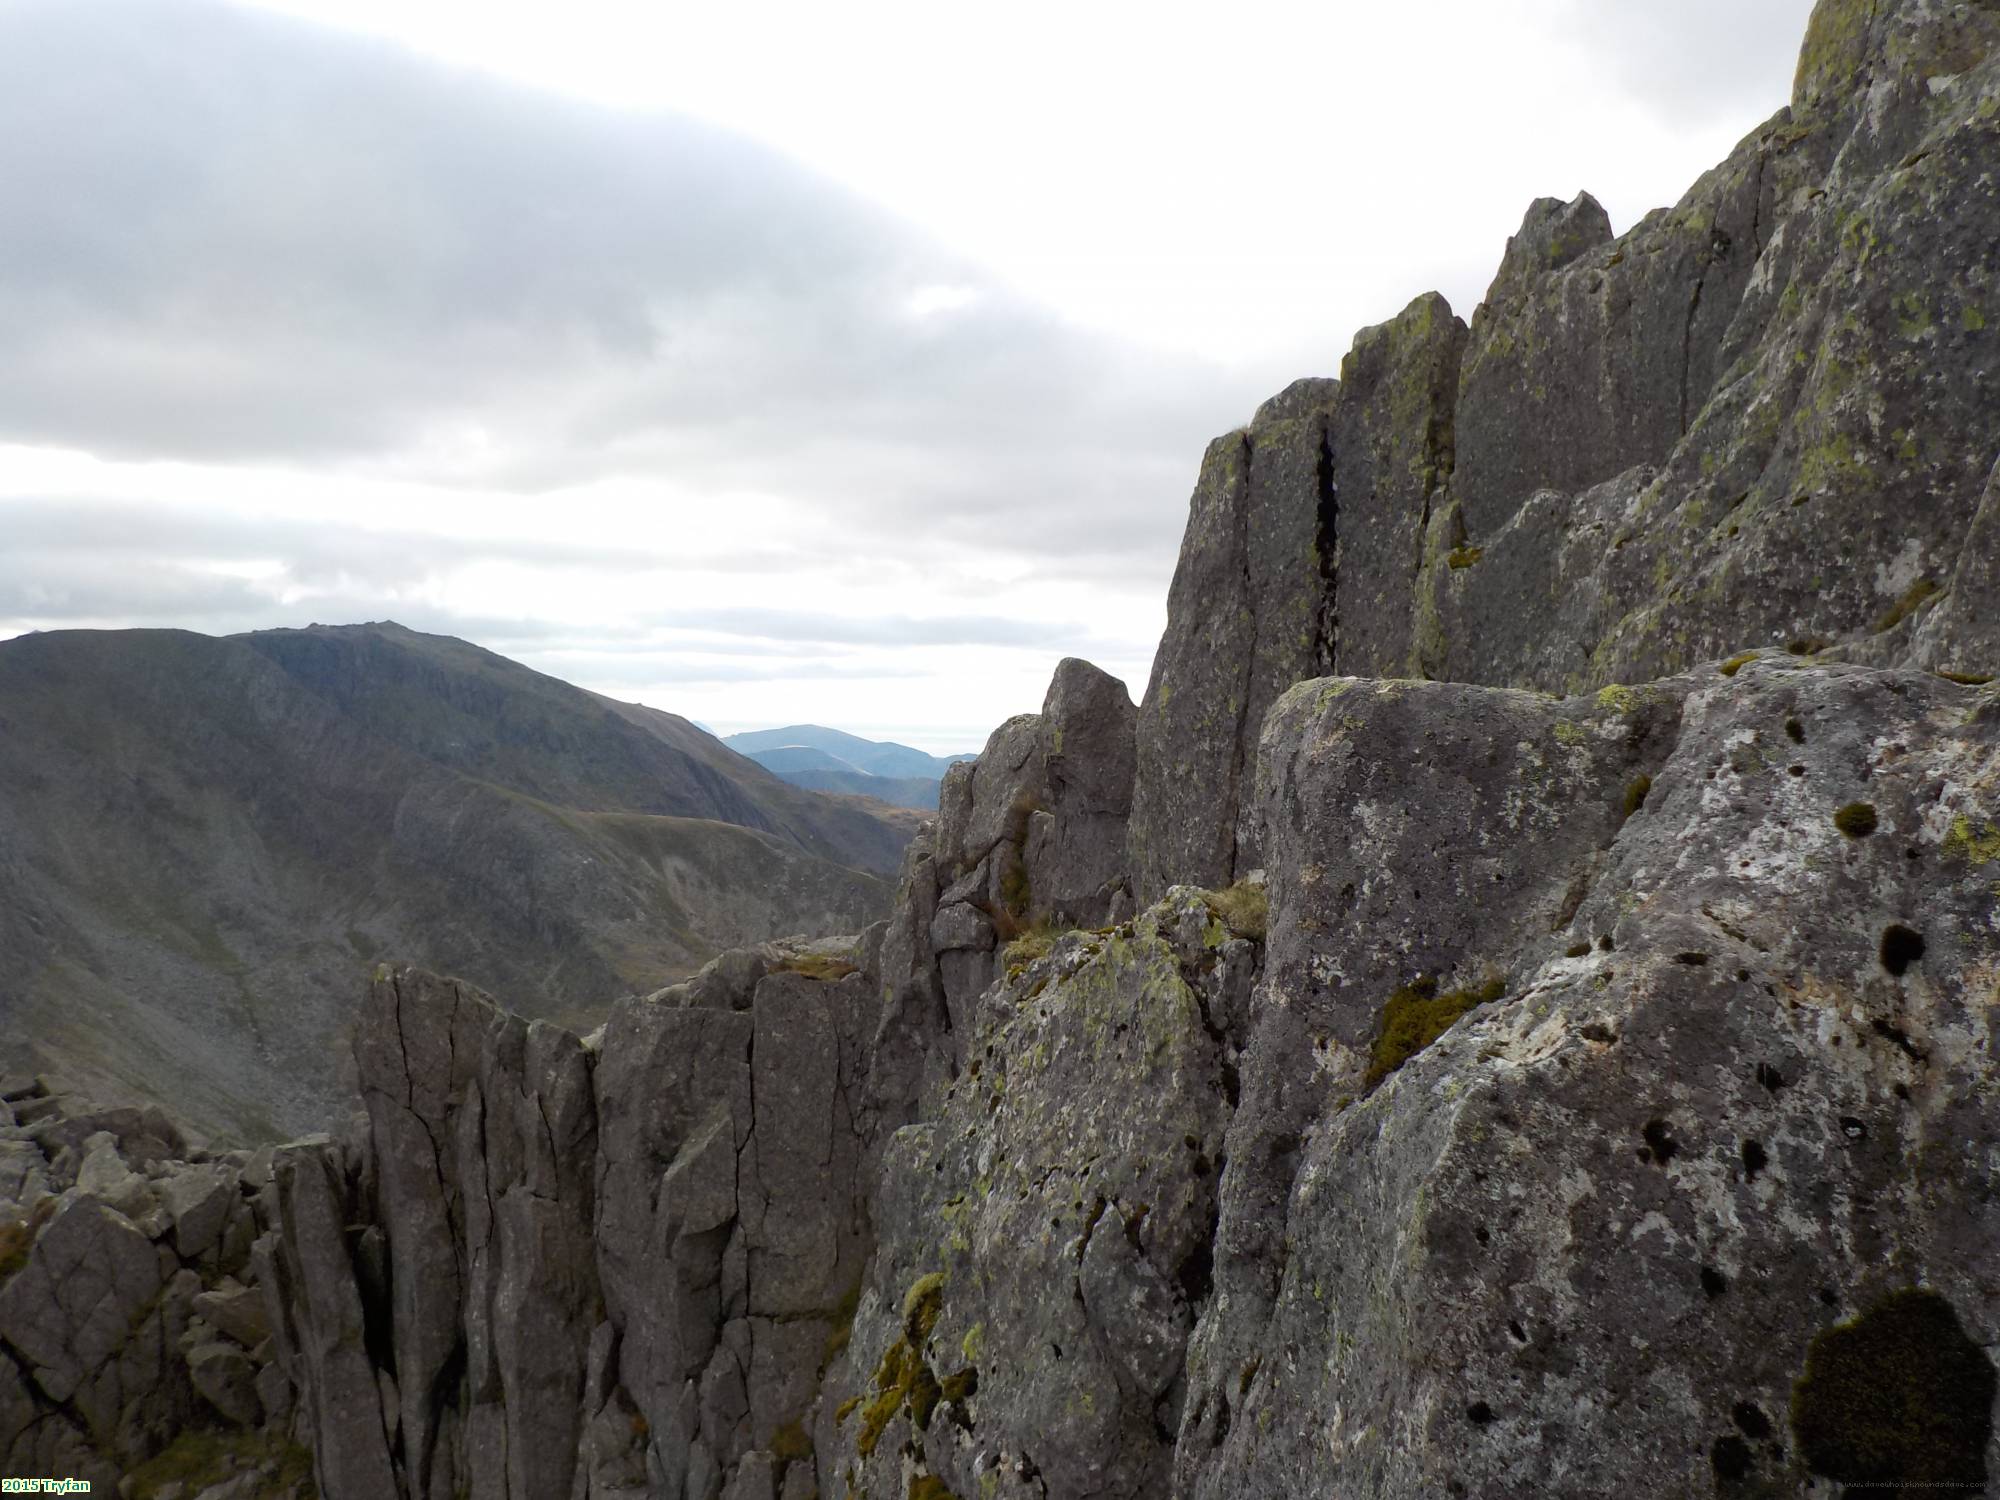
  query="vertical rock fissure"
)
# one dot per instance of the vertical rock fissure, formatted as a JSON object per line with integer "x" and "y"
{"x": 1326, "y": 543}
{"x": 1687, "y": 342}
{"x": 1241, "y": 752}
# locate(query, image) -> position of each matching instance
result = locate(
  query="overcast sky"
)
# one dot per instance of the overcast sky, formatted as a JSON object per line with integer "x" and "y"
{"x": 845, "y": 363}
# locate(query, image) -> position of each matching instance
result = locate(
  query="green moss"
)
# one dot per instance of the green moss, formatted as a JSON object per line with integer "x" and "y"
{"x": 1918, "y": 595}
{"x": 928, "y": 1487}
{"x": 1417, "y": 1015}
{"x": 903, "y": 1381}
{"x": 1737, "y": 663}
{"x": 196, "y": 1460}
{"x": 790, "y": 1443}
{"x": 1245, "y": 908}
{"x": 846, "y": 1408}
{"x": 1463, "y": 557}
{"x": 1857, "y": 820}
{"x": 973, "y": 1342}
{"x": 1617, "y": 698}
{"x": 1030, "y": 945}
{"x": 1898, "y": 1399}
{"x": 1963, "y": 842}
{"x": 1636, "y": 792}
{"x": 1965, "y": 679}
{"x": 921, "y": 1306}
{"x": 960, "y": 1387}
{"x": 815, "y": 966}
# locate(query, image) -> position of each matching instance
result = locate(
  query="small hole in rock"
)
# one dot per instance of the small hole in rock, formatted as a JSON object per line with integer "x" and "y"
{"x": 1752, "y": 1420}
{"x": 1479, "y": 1413}
{"x": 1730, "y": 1457}
{"x": 1755, "y": 1158}
{"x": 1770, "y": 1077}
{"x": 1853, "y": 1129}
{"x": 1901, "y": 947}
{"x": 1660, "y": 1140}
{"x": 1713, "y": 1281}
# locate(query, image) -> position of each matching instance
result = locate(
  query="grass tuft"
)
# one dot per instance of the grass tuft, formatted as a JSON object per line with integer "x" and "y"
{"x": 1417, "y": 1015}
{"x": 1245, "y": 908}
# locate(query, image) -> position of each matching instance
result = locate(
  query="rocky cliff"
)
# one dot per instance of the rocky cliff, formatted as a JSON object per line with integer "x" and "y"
{"x": 1512, "y": 1013}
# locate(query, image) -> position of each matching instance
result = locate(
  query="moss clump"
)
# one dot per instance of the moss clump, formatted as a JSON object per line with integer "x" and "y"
{"x": 1033, "y": 944}
{"x": 1464, "y": 557}
{"x": 790, "y": 1444}
{"x": 921, "y": 1306}
{"x": 1919, "y": 594}
{"x": 1636, "y": 791}
{"x": 846, "y": 1408}
{"x": 903, "y": 1381}
{"x": 960, "y": 1388}
{"x": 1966, "y": 679}
{"x": 1417, "y": 1015}
{"x": 196, "y": 1460}
{"x": 928, "y": 1487}
{"x": 815, "y": 966}
{"x": 1737, "y": 663}
{"x": 1244, "y": 907}
{"x": 1857, "y": 820}
{"x": 1898, "y": 1399}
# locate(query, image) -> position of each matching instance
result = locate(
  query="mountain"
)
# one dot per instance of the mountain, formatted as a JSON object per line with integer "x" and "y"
{"x": 206, "y": 844}
{"x": 829, "y": 760}
{"x": 1510, "y": 1013}
{"x": 845, "y": 751}
{"x": 918, "y": 793}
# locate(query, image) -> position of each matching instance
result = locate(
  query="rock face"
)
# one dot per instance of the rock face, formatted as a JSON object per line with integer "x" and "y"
{"x": 1320, "y": 1080}
{"x": 1761, "y": 417}
{"x": 132, "y": 1346}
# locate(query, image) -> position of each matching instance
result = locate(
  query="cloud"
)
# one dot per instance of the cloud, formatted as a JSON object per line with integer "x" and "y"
{"x": 232, "y": 238}
{"x": 1693, "y": 57}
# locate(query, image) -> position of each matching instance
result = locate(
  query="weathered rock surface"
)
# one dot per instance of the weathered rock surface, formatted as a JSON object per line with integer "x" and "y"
{"x": 113, "y": 1253}
{"x": 1319, "y": 1080}
{"x": 1737, "y": 1090}
{"x": 1045, "y": 1237}
{"x": 1761, "y": 417}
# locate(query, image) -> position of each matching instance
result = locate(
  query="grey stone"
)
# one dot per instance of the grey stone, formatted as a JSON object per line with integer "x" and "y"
{"x": 227, "y": 1380}
{"x": 199, "y": 1198}
{"x": 237, "y": 1311}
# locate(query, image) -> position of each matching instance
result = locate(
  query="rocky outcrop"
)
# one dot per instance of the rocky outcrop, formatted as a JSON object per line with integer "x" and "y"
{"x": 1030, "y": 835}
{"x": 1320, "y": 1080}
{"x": 1761, "y": 417}
{"x": 131, "y": 1347}
{"x": 1726, "y": 1095}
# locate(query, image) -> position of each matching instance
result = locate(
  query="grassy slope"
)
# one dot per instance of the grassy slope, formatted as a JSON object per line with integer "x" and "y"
{"x": 205, "y": 844}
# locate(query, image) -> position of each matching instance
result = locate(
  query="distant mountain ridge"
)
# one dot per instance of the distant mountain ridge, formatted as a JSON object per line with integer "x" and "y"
{"x": 832, "y": 760}
{"x": 205, "y": 844}
{"x": 872, "y": 757}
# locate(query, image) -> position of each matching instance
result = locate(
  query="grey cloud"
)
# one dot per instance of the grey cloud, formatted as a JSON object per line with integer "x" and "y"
{"x": 1667, "y": 56}
{"x": 71, "y": 562}
{"x": 229, "y": 235}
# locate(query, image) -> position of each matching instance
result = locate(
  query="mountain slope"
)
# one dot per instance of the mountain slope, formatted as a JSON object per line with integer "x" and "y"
{"x": 205, "y": 845}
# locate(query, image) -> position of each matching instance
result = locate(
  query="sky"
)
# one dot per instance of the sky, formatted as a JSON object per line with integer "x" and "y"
{"x": 765, "y": 363}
